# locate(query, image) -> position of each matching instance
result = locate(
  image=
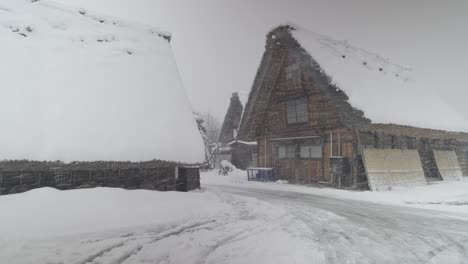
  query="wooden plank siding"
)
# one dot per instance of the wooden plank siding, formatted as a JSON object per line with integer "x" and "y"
{"x": 323, "y": 118}
{"x": 299, "y": 171}
{"x": 312, "y": 170}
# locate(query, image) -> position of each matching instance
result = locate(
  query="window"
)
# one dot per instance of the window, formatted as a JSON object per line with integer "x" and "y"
{"x": 234, "y": 133}
{"x": 287, "y": 152}
{"x": 335, "y": 145}
{"x": 297, "y": 110}
{"x": 293, "y": 76}
{"x": 311, "y": 151}
{"x": 306, "y": 151}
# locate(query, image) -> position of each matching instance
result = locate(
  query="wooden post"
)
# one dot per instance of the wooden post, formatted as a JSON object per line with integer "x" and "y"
{"x": 339, "y": 144}
{"x": 339, "y": 181}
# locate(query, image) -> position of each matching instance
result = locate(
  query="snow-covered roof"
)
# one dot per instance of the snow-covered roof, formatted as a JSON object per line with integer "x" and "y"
{"x": 251, "y": 143}
{"x": 386, "y": 91}
{"x": 80, "y": 86}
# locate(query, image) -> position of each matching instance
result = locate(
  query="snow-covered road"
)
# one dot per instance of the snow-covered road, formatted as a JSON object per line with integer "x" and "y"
{"x": 361, "y": 232}
{"x": 245, "y": 224}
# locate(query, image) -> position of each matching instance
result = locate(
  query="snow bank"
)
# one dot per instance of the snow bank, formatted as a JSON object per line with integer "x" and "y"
{"x": 385, "y": 91}
{"x": 48, "y": 212}
{"x": 80, "y": 86}
{"x": 117, "y": 226}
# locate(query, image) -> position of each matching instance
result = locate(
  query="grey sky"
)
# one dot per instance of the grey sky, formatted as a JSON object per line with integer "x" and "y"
{"x": 218, "y": 44}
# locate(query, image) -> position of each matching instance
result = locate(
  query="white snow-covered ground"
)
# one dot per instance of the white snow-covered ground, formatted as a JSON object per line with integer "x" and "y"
{"x": 442, "y": 196}
{"x": 107, "y": 225}
{"x": 232, "y": 221}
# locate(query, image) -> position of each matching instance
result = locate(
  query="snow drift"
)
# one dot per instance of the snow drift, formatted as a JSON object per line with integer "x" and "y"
{"x": 79, "y": 86}
{"x": 387, "y": 92}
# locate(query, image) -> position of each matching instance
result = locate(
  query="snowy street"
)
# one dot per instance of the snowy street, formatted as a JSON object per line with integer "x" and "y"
{"x": 235, "y": 222}
{"x": 362, "y": 232}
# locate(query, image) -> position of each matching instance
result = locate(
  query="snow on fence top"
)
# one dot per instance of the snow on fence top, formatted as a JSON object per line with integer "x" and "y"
{"x": 385, "y": 91}
{"x": 84, "y": 87}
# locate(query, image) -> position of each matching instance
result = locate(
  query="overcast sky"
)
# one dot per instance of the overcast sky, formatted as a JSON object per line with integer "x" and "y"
{"x": 218, "y": 44}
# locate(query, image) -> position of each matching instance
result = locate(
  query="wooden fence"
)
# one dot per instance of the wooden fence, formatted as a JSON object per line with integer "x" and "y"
{"x": 160, "y": 178}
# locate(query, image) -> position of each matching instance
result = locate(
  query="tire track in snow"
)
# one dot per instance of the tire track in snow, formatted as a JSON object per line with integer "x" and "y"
{"x": 174, "y": 232}
{"x": 434, "y": 253}
{"x": 94, "y": 258}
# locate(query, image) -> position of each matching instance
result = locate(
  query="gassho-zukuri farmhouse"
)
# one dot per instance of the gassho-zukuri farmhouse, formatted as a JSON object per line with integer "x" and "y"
{"x": 323, "y": 111}
{"x": 79, "y": 89}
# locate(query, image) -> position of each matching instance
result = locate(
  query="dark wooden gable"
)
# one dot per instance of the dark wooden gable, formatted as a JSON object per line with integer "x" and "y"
{"x": 231, "y": 120}
{"x": 276, "y": 86}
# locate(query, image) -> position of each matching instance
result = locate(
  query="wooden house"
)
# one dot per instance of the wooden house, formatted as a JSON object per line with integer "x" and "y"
{"x": 240, "y": 153}
{"x": 309, "y": 131}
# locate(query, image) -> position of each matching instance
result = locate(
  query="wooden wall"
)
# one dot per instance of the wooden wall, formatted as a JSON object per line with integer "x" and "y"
{"x": 306, "y": 171}
{"x": 323, "y": 120}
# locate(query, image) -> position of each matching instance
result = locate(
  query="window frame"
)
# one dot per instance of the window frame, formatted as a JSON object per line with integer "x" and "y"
{"x": 305, "y": 115}
{"x": 287, "y": 151}
{"x": 297, "y": 151}
{"x": 319, "y": 146}
{"x": 293, "y": 76}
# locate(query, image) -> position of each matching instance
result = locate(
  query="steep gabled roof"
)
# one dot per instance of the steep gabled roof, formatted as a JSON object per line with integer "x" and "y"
{"x": 280, "y": 44}
{"x": 79, "y": 86}
{"x": 231, "y": 120}
{"x": 387, "y": 92}
{"x": 353, "y": 79}
{"x": 400, "y": 130}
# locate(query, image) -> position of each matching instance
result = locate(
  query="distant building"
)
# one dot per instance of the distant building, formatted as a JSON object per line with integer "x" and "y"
{"x": 310, "y": 131}
{"x": 241, "y": 154}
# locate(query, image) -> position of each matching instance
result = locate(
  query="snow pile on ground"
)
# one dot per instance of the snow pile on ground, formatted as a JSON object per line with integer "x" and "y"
{"x": 228, "y": 165}
{"x": 106, "y": 225}
{"x": 80, "y": 86}
{"x": 385, "y": 91}
{"x": 215, "y": 177}
{"x": 48, "y": 212}
{"x": 443, "y": 196}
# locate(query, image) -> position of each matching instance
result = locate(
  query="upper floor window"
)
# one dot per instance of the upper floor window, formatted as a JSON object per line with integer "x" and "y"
{"x": 234, "y": 133}
{"x": 297, "y": 110}
{"x": 293, "y": 76}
